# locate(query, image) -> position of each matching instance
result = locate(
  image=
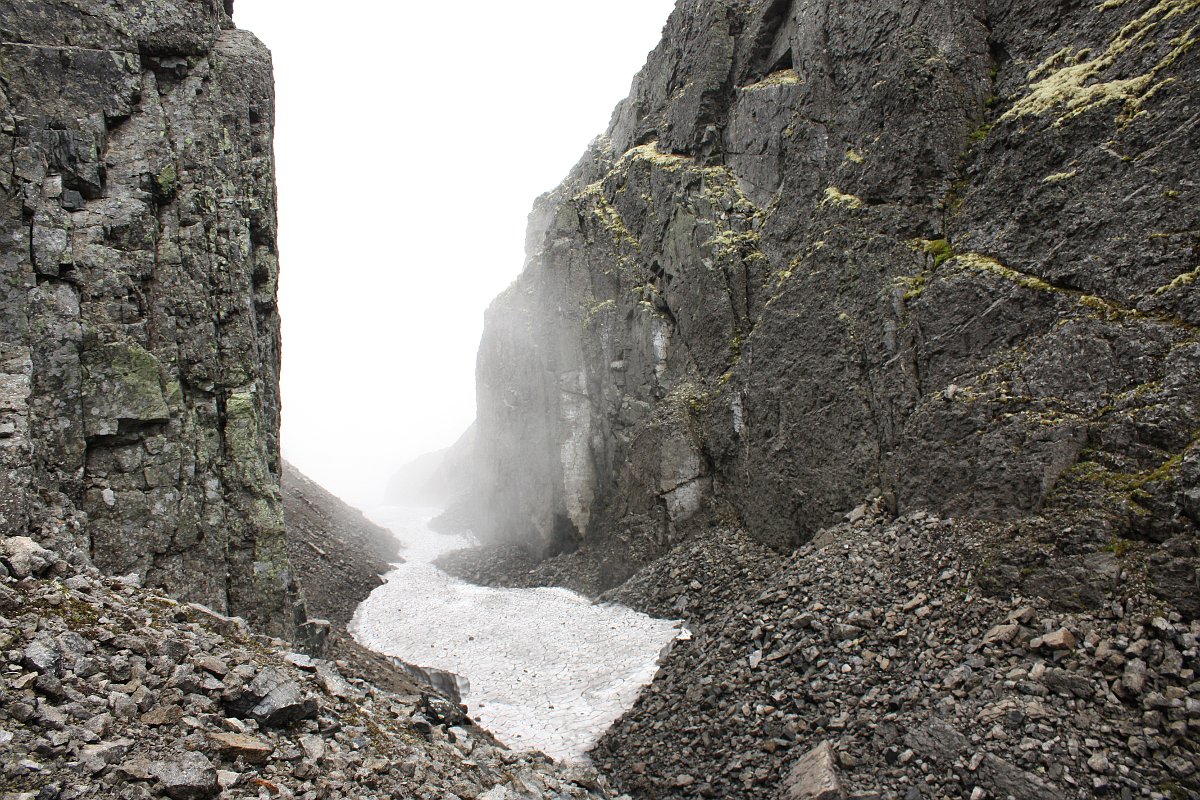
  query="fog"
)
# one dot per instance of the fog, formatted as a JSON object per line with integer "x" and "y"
{"x": 411, "y": 140}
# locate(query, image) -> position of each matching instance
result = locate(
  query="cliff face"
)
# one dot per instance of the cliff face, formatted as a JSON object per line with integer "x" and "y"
{"x": 827, "y": 251}
{"x": 139, "y": 405}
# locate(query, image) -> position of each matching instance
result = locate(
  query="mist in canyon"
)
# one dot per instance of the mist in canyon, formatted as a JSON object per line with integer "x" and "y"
{"x": 411, "y": 142}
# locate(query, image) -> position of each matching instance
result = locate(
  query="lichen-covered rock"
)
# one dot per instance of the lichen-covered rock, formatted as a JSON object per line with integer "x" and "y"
{"x": 942, "y": 256}
{"x": 139, "y": 338}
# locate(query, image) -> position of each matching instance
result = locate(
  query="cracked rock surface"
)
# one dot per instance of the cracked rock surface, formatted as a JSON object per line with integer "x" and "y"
{"x": 829, "y": 249}
{"x": 139, "y": 336}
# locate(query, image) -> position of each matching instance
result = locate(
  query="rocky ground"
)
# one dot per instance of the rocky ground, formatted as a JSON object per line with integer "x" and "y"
{"x": 110, "y": 691}
{"x": 589, "y": 571}
{"x": 873, "y": 655}
{"x": 338, "y": 552}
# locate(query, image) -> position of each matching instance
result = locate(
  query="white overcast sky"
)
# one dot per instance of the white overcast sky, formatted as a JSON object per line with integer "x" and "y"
{"x": 411, "y": 140}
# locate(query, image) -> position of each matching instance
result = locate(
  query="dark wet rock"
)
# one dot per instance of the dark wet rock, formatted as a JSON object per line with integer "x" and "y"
{"x": 927, "y": 694}
{"x": 149, "y": 717}
{"x": 139, "y": 395}
{"x": 275, "y": 700}
{"x": 827, "y": 252}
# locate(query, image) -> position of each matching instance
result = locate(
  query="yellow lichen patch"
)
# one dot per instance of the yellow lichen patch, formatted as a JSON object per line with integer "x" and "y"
{"x": 1186, "y": 279}
{"x": 1077, "y": 88}
{"x": 591, "y": 312}
{"x": 610, "y": 219}
{"x": 732, "y": 243}
{"x": 981, "y": 263}
{"x": 912, "y": 285}
{"x": 1107, "y": 4}
{"x": 650, "y": 153}
{"x": 853, "y": 156}
{"x": 784, "y": 77}
{"x": 1105, "y": 309}
{"x": 840, "y": 198}
{"x": 1059, "y": 177}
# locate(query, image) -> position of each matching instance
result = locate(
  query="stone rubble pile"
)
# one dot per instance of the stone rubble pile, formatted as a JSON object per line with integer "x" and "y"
{"x": 108, "y": 691}
{"x": 874, "y": 645}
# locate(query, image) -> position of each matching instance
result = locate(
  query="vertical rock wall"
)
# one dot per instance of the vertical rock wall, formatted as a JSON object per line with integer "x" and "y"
{"x": 942, "y": 254}
{"x": 139, "y": 336}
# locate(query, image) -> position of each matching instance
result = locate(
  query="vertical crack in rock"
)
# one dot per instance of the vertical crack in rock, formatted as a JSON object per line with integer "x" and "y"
{"x": 141, "y": 283}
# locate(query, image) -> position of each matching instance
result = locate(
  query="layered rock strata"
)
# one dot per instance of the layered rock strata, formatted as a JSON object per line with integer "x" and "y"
{"x": 139, "y": 335}
{"x": 943, "y": 256}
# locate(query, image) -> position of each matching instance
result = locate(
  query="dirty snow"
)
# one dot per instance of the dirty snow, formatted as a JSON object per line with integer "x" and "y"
{"x": 548, "y": 669}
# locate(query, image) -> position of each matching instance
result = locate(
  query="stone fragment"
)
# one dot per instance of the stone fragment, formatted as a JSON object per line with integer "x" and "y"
{"x": 214, "y": 665}
{"x": 1134, "y": 677}
{"x": 24, "y": 557}
{"x": 280, "y": 700}
{"x": 42, "y": 656}
{"x": 938, "y": 741}
{"x": 248, "y": 748}
{"x": 814, "y": 777}
{"x": 313, "y": 746}
{"x": 301, "y": 661}
{"x": 1002, "y": 634}
{"x": 188, "y": 776}
{"x": 333, "y": 682}
{"x": 96, "y": 757}
{"x": 1061, "y": 639}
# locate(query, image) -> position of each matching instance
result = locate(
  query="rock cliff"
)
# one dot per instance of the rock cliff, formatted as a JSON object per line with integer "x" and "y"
{"x": 139, "y": 336}
{"x": 942, "y": 256}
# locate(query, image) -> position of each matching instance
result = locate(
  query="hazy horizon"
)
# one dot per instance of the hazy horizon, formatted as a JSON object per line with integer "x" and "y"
{"x": 410, "y": 145}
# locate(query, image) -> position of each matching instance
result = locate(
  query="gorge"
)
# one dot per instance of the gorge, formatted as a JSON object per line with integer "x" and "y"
{"x": 864, "y": 341}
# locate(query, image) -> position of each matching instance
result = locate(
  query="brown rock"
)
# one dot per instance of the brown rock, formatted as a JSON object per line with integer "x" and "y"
{"x": 1061, "y": 639}
{"x": 248, "y": 748}
{"x": 814, "y": 777}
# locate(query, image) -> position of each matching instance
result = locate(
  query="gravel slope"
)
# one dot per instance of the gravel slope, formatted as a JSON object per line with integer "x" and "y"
{"x": 877, "y": 639}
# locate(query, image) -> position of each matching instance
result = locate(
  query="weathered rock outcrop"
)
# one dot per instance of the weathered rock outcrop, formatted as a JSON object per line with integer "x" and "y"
{"x": 139, "y": 337}
{"x": 940, "y": 255}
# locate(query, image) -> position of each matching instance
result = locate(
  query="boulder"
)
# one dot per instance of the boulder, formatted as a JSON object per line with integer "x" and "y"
{"x": 189, "y": 776}
{"x": 814, "y": 777}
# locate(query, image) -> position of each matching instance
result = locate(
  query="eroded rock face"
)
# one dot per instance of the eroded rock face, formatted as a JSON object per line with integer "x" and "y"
{"x": 139, "y": 337}
{"x": 830, "y": 250}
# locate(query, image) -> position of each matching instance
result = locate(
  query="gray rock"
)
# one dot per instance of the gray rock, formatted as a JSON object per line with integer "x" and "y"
{"x": 280, "y": 700}
{"x": 814, "y": 777}
{"x": 236, "y": 745}
{"x": 24, "y": 557}
{"x": 985, "y": 314}
{"x": 95, "y": 757}
{"x": 42, "y": 655}
{"x": 152, "y": 417}
{"x": 190, "y": 776}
